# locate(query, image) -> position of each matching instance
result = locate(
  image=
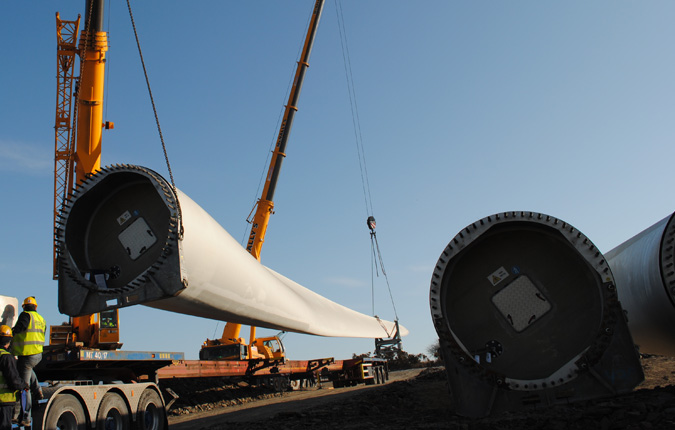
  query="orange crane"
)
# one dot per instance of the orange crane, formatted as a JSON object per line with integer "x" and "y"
{"x": 78, "y": 149}
{"x": 230, "y": 345}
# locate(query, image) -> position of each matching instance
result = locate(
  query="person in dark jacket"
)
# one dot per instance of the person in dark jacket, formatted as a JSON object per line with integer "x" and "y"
{"x": 10, "y": 381}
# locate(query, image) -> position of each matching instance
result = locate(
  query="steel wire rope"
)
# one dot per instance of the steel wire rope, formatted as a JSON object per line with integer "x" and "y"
{"x": 159, "y": 127}
{"x": 354, "y": 109}
{"x": 358, "y": 136}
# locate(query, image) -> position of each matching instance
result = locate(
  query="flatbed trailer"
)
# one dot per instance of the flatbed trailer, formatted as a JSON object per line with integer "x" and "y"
{"x": 102, "y": 366}
{"x": 86, "y": 388}
{"x": 89, "y": 388}
{"x": 278, "y": 374}
{"x": 224, "y": 368}
{"x": 283, "y": 374}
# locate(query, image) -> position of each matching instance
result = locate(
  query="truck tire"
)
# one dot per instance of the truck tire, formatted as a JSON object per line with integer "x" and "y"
{"x": 383, "y": 376}
{"x": 65, "y": 413}
{"x": 113, "y": 413}
{"x": 280, "y": 384}
{"x": 151, "y": 414}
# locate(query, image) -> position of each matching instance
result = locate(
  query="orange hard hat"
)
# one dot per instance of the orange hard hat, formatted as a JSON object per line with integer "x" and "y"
{"x": 30, "y": 301}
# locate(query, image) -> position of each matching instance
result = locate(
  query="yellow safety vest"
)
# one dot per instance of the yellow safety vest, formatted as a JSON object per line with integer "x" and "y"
{"x": 30, "y": 342}
{"x": 6, "y": 394}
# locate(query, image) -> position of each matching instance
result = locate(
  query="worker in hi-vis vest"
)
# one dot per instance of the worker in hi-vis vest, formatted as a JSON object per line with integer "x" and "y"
{"x": 10, "y": 381}
{"x": 29, "y": 338}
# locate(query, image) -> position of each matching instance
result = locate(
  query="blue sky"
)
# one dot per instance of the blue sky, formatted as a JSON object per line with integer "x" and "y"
{"x": 466, "y": 109}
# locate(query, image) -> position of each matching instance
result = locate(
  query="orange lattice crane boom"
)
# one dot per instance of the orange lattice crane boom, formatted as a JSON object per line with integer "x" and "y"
{"x": 78, "y": 146}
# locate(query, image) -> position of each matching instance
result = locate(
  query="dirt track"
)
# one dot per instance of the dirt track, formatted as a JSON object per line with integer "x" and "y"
{"x": 414, "y": 400}
{"x": 288, "y": 405}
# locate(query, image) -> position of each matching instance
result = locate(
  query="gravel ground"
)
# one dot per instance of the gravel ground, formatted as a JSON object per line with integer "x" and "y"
{"x": 423, "y": 402}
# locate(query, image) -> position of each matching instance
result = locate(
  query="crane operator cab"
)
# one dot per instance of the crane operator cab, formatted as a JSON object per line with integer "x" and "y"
{"x": 268, "y": 348}
{"x": 265, "y": 348}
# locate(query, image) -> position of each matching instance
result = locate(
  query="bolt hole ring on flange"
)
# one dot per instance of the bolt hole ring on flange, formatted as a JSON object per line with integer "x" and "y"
{"x": 512, "y": 254}
{"x": 145, "y": 239}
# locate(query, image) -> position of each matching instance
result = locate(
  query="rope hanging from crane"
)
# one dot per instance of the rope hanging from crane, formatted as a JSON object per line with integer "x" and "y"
{"x": 354, "y": 109}
{"x": 376, "y": 259}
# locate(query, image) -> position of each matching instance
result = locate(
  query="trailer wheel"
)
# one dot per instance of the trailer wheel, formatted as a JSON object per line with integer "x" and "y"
{"x": 383, "y": 377}
{"x": 151, "y": 414}
{"x": 65, "y": 413}
{"x": 303, "y": 383}
{"x": 280, "y": 384}
{"x": 113, "y": 413}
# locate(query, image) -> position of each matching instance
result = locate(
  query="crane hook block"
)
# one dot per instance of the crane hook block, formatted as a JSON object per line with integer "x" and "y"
{"x": 371, "y": 223}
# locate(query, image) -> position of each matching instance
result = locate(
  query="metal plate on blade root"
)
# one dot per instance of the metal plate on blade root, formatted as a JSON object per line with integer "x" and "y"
{"x": 137, "y": 238}
{"x": 521, "y": 303}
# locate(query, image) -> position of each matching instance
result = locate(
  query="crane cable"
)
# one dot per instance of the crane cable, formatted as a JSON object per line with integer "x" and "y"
{"x": 159, "y": 128}
{"x": 354, "y": 109}
{"x": 376, "y": 255}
